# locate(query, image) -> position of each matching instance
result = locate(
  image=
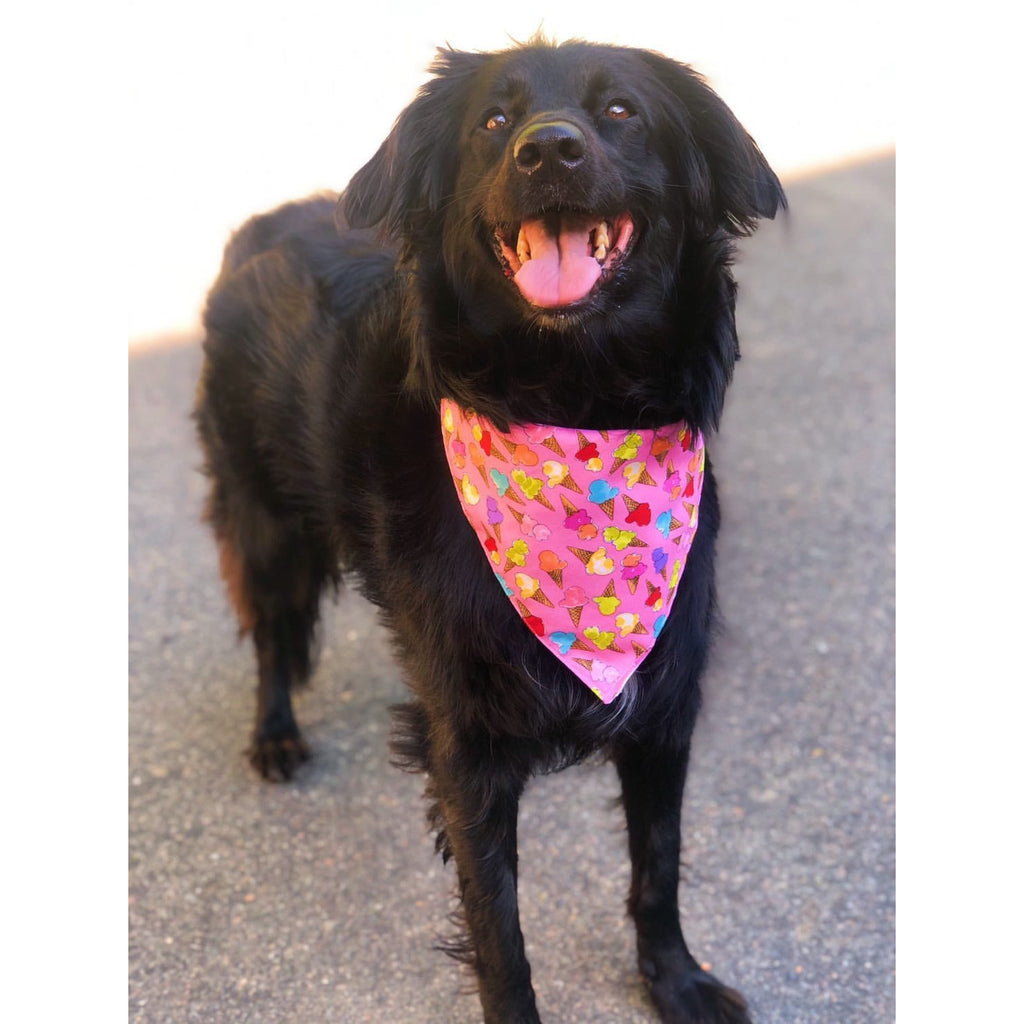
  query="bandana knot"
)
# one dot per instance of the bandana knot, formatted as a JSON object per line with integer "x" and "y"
{"x": 587, "y": 531}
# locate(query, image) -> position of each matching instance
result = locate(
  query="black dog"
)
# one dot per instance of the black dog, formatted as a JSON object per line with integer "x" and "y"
{"x": 552, "y": 233}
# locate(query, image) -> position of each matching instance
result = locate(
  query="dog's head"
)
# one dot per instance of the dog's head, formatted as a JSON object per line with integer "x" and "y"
{"x": 567, "y": 211}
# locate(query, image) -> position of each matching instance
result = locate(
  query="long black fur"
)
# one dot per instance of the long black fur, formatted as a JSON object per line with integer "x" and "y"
{"x": 333, "y": 332}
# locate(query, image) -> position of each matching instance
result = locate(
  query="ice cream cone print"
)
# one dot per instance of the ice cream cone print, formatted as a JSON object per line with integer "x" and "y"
{"x": 555, "y": 471}
{"x": 582, "y": 554}
{"x": 638, "y": 512}
{"x": 600, "y": 564}
{"x": 602, "y": 639}
{"x": 627, "y": 623}
{"x": 569, "y": 484}
{"x": 527, "y": 584}
{"x": 520, "y": 454}
{"x": 628, "y": 450}
{"x": 516, "y": 554}
{"x": 608, "y": 602}
{"x": 637, "y": 473}
{"x": 543, "y": 486}
{"x": 660, "y": 447}
{"x": 552, "y": 565}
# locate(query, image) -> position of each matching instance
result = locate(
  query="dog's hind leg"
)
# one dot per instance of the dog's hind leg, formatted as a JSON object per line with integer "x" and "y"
{"x": 274, "y": 576}
{"x": 653, "y": 777}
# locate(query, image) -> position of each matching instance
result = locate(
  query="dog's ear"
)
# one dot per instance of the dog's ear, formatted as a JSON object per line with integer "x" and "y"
{"x": 405, "y": 183}
{"x": 727, "y": 179}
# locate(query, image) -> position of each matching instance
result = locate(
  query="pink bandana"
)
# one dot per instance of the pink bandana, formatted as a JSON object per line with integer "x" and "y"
{"x": 587, "y": 530}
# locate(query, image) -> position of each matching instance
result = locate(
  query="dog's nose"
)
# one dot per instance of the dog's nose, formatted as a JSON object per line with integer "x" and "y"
{"x": 555, "y": 146}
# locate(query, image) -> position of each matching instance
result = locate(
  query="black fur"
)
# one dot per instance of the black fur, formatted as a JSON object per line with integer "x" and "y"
{"x": 327, "y": 354}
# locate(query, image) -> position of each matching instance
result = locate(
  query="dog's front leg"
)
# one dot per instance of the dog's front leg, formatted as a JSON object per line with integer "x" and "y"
{"x": 477, "y": 807}
{"x": 653, "y": 777}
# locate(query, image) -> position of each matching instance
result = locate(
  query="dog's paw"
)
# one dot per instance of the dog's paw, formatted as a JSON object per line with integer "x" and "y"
{"x": 696, "y": 997}
{"x": 277, "y": 757}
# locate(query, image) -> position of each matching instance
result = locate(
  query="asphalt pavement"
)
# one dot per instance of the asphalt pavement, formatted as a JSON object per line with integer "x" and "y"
{"x": 322, "y": 900}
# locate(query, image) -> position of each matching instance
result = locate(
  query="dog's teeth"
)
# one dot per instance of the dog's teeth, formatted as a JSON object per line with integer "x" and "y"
{"x": 601, "y": 241}
{"x": 522, "y": 248}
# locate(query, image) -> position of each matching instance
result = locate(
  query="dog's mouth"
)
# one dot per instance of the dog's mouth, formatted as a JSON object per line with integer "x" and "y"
{"x": 560, "y": 259}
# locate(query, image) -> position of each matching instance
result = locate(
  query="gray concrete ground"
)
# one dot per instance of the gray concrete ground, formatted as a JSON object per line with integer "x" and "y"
{"x": 320, "y": 901}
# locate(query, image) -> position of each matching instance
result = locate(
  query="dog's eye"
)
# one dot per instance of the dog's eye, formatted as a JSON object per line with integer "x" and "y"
{"x": 495, "y": 120}
{"x": 619, "y": 110}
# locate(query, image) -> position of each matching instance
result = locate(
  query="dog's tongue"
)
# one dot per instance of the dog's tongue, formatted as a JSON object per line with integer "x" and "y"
{"x": 560, "y": 269}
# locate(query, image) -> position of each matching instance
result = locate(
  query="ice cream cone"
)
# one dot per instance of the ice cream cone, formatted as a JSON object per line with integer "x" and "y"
{"x": 582, "y": 554}
{"x": 553, "y": 445}
{"x": 542, "y": 499}
{"x": 608, "y": 508}
{"x": 575, "y": 613}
